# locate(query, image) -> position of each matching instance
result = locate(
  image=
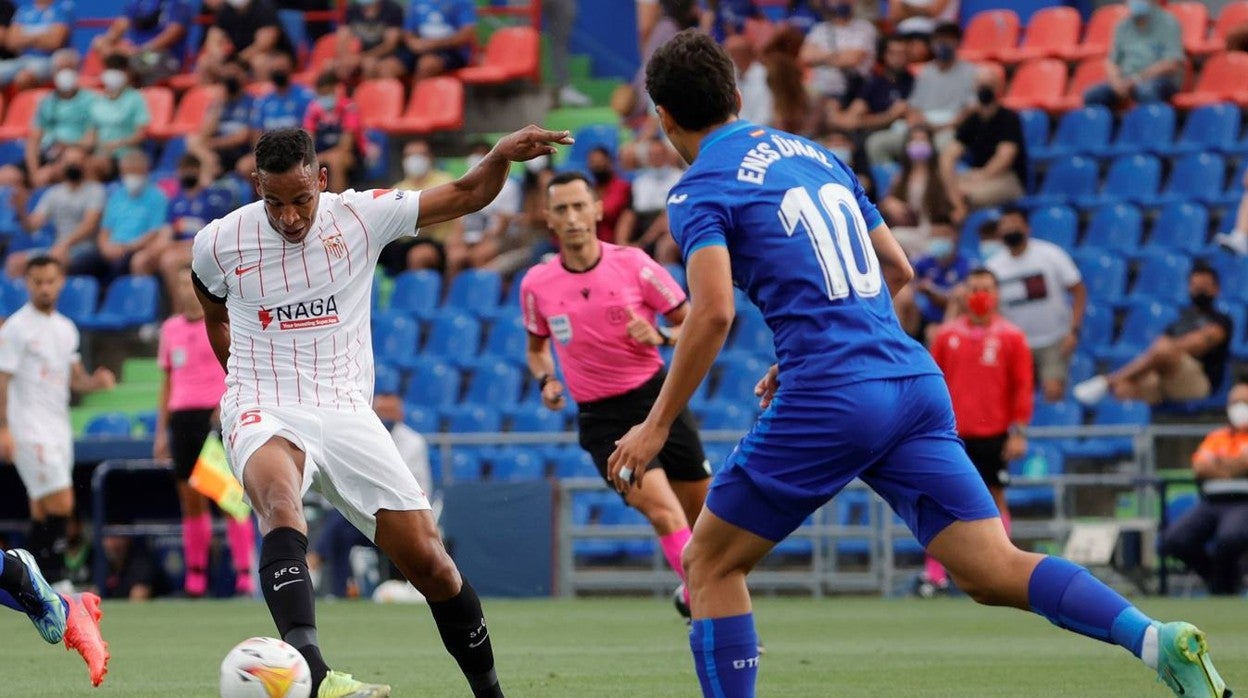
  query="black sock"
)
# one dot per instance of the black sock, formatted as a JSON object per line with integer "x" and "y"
{"x": 15, "y": 579}
{"x": 47, "y": 544}
{"x": 287, "y": 588}
{"x": 461, "y": 623}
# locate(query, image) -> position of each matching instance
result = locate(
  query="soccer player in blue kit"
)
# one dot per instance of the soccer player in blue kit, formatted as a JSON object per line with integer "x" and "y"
{"x": 851, "y": 395}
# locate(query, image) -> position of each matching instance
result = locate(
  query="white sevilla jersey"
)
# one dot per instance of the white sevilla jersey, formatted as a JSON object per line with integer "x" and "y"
{"x": 299, "y": 312}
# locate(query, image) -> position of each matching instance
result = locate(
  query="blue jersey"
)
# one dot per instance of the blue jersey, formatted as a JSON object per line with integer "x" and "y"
{"x": 37, "y": 20}
{"x": 438, "y": 19}
{"x": 277, "y": 110}
{"x": 149, "y": 18}
{"x": 795, "y": 221}
{"x": 189, "y": 213}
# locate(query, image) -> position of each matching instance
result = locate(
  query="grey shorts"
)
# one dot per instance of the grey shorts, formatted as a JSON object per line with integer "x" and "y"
{"x": 1050, "y": 364}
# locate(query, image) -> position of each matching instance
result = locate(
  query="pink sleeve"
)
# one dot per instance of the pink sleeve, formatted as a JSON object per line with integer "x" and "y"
{"x": 658, "y": 288}
{"x": 311, "y": 116}
{"x": 162, "y": 349}
{"x": 533, "y": 320}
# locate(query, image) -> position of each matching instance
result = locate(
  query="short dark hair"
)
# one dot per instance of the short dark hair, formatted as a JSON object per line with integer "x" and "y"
{"x": 1200, "y": 266}
{"x": 189, "y": 160}
{"x": 1012, "y": 209}
{"x": 327, "y": 78}
{"x": 602, "y": 149}
{"x": 281, "y": 149}
{"x": 947, "y": 30}
{"x": 940, "y": 219}
{"x": 43, "y": 260}
{"x": 983, "y": 271}
{"x": 573, "y": 176}
{"x": 116, "y": 61}
{"x": 694, "y": 80}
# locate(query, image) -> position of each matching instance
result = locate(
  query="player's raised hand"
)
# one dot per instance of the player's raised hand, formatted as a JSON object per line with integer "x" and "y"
{"x": 767, "y": 385}
{"x": 642, "y": 331}
{"x": 104, "y": 379}
{"x": 6, "y": 445}
{"x": 552, "y": 395}
{"x": 530, "y": 142}
{"x": 634, "y": 452}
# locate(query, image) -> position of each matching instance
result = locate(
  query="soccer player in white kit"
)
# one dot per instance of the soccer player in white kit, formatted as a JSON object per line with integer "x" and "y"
{"x": 286, "y": 285}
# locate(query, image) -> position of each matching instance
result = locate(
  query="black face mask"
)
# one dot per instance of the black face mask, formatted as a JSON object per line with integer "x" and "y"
{"x": 603, "y": 176}
{"x": 233, "y": 86}
{"x": 147, "y": 22}
{"x": 943, "y": 52}
{"x": 843, "y": 11}
{"x": 986, "y": 95}
{"x": 73, "y": 173}
{"x": 281, "y": 79}
{"x": 1203, "y": 300}
{"x": 1013, "y": 238}
{"x": 188, "y": 181}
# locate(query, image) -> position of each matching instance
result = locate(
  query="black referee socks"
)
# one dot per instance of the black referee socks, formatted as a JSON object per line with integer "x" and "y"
{"x": 461, "y": 623}
{"x": 288, "y": 591}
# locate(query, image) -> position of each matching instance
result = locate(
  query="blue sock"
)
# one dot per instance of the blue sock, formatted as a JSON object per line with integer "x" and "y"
{"x": 725, "y": 654}
{"x": 1071, "y": 598}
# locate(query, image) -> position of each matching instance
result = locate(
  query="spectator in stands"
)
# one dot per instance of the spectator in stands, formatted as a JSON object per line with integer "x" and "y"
{"x": 73, "y": 208}
{"x": 483, "y": 235}
{"x": 527, "y": 237}
{"x": 917, "y": 194}
{"x": 225, "y": 135}
{"x": 923, "y": 303}
{"x": 249, "y": 29}
{"x": 195, "y": 204}
{"x": 756, "y": 106}
{"x": 1187, "y": 362}
{"x": 438, "y": 36}
{"x": 658, "y": 22}
{"x": 791, "y": 102}
{"x": 130, "y": 234}
{"x": 616, "y": 195}
{"x": 284, "y": 107}
{"x": 334, "y": 122}
{"x": 560, "y": 17}
{"x": 990, "y": 139}
{"x": 39, "y": 27}
{"x": 1146, "y": 59}
{"x": 427, "y": 250}
{"x": 1034, "y": 277}
{"x": 7, "y": 10}
{"x": 62, "y": 119}
{"x": 653, "y": 181}
{"x": 882, "y": 100}
{"x": 943, "y": 91}
{"x": 921, "y": 17}
{"x": 839, "y": 51}
{"x": 152, "y": 34}
{"x": 378, "y": 27}
{"x": 1212, "y": 537}
{"x": 119, "y": 117}
{"x": 1237, "y": 239}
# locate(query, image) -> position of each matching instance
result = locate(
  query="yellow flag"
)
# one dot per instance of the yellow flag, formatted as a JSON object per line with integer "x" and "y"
{"x": 212, "y": 478}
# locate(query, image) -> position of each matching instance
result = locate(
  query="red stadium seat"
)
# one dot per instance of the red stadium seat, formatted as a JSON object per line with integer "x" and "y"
{"x": 1233, "y": 14}
{"x": 323, "y": 51}
{"x": 159, "y": 106}
{"x": 1090, "y": 71}
{"x": 1221, "y": 80}
{"x": 92, "y": 67}
{"x": 190, "y": 113}
{"x": 513, "y": 53}
{"x": 1193, "y": 24}
{"x": 437, "y": 104}
{"x": 988, "y": 33}
{"x": 1098, "y": 34}
{"x": 1049, "y": 33}
{"x": 21, "y": 110}
{"x": 379, "y": 101}
{"x": 1035, "y": 84}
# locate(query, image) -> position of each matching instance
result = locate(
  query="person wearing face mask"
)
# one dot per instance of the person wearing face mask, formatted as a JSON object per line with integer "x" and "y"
{"x": 437, "y": 38}
{"x": 248, "y": 29}
{"x": 990, "y": 140}
{"x": 130, "y": 238}
{"x": 1185, "y": 363}
{"x": 427, "y": 250}
{"x": 119, "y": 117}
{"x": 840, "y": 52}
{"x": 152, "y": 34}
{"x": 882, "y": 100}
{"x": 1212, "y": 537}
{"x": 917, "y": 194}
{"x": 196, "y": 203}
{"x": 1146, "y": 59}
{"x": 920, "y": 17}
{"x": 72, "y": 208}
{"x": 62, "y": 118}
{"x": 938, "y": 272}
{"x": 616, "y": 195}
{"x": 1036, "y": 277}
{"x": 334, "y": 122}
{"x": 378, "y": 27}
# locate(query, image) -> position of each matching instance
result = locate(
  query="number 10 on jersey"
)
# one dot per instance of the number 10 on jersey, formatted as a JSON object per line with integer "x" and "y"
{"x": 835, "y": 253}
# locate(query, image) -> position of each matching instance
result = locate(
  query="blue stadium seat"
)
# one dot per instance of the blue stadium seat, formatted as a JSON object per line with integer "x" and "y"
{"x": 729, "y": 416}
{"x": 421, "y": 419}
{"x": 507, "y": 340}
{"x": 1144, "y": 321}
{"x": 1066, "y": 180}
{"x": 386, "y": 380}
{"x": 146, "y": 422}
{"x": 1148, "y": 128}
{"x": 1104, "y": 274}
{"x": 1212, "y": 127}
{"x": 1064, "y": 413}
{"x": 750, "y": 332}
{"x": 968, "y": 236}
{"x": 587, "y": 139}
{"x": 1162, "y": 275}
{"x": 1115, "y": 228}
{"x": 1035, "y": 129}
{"x": 1235, "y": 188}
{"x": 1131, "y": 178}
{"x": 454, "y": 336}
{"x": 109, "y": 425}
{"x": 1082, "y": 366}
{"x": 737, "y": 378}
{"x": 516, "y": 464}
{"x": 77, "y": 301}
{"x": 296, "y": 29}
{"x": 1195, "y": 177}
{"x": 1113, "y": 412}
{"x": 431, "y": 383}
{"x": 594, "y": 508}
{"x": 395, "y": 338}
{"x": 1232, "y": 270}
{"x": 884, "y": 173}
{"x": 1056, "y": 224}
{"x": 853, "y": 508}
{"x": 1098, "y": 319}
{"x": 1043, "y": 459}
{"x": 797, "y": 544}
{"x": 1180, "y": 226}
{"x": 471, "y": 419}
{"x": 466, "y": 466}
{"x": 167, "y": 164}
{"x": 475, "y": 291}
{"x": 129, "y": 302}
{"x": 493, "y": 383}
{"x": 1079, "y": 132}
{"x": 533, "y": 419}
{"x": 575, "y": 462}
{"x": 678, "y": 273}
{"x": 416, "y": 293}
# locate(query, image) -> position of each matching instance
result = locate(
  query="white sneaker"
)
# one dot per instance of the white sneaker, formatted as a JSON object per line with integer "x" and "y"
{"x": 569, "y": 96}
{"x": 1235, "y": 241}
{"x": 1092, "y": 390}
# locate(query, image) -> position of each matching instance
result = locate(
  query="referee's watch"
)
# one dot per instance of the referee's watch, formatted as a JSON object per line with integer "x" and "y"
{"x": 665, "y": 334}
{"x": 543, "y": 379}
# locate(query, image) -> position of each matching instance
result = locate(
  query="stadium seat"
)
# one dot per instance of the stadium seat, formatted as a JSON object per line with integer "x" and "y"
{"x": 1035, "y": 84}
{"x": 1229, "y": 266}
{"x": 595, "y": 509}
{"x": 1089, "y": 72}
{"x": 475, "y": 291}
{"x": 1213, "y": 127}
{"x": 395, "y": 337}
{"x": 416, "y": 293}
{"x": 1112, "y": 412}
{"x": 725, "y": 415}
{"x": 852, "y": 507}
{"x": 589, "y": 137}
{"x": 1133, "y": 178}
{"x": 436, "y": 104}
{"x": 737, "y": 378}
{"x": 1144, "y": 322}
{"x": 1098, "y": 319}
{"x": 883, "y": 173}
{"x": 750, "y": 332}
{"x": 1221, "y": 80}
{"x": 386, "y": 379}
{"x": 380, "y": 102}
{"x": 1049, "y": 32}
{"x": 20, "y": 112}
{"x": 1078, "y": 132}
{"x": 1115, "y": 229}
{"x": 129, "y": 302}
{"x": 159, "y": 107}
{"x": 189, "y": 115}
{"x": 431, "y": 382}
{"x": 1148, "y": 128}
{"x": 507, "y": 340}
{"x": 423, "y": 420}
{"x": 1104, "y": 274}
{"x": 1056, "y": 224}
{"x": 1082, "y": 366}
{"x": 78, "y": 296}
{"x": 1181, "y": 226}
{"x": 109, "y": 425}
{"x": 987, "y": 34}
{"x": 473, "y": 419}
{"x": 146, "y": 422}
{"x": 1043, "y": 459}
{"x": 1098, "y": 34}
{"x": 516, "y": 464}
{"x": 453, "y": 335}
{"x": 1063, "y": 413}
{"x": 295, "y": 27}
{"x": 1232, "y": 14}
{"x": 533, "y": 419}
{"x": 575, "y": 463}
{"x": 1195, "y": 177}
{"x": 466, "y": 466}
{"x": 493, "y": 383}
{"x": 1035, "y": 124}
{"x": 968, "y": 236}
{"x": 324, "y": 50}
{"x": 677, "y": 272}
{"x": 1065, "y": 181}
{"x": 1193, "y": 18}
{"x": 1162, "y": 275}
{"x": 512, "y": 53}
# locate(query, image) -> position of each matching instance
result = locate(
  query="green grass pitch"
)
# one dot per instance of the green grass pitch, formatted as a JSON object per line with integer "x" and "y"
{"x": 844, "y": 647}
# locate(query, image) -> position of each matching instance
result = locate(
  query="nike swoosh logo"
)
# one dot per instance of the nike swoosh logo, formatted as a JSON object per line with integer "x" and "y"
{"x": 240, "y": 270}
{"x": 285, "y": 584}
{"x": 474, "y": 645}
{"x": 675, "y": 199}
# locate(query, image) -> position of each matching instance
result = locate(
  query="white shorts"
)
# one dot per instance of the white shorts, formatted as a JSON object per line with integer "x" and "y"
{"x": 44, "y": 466}
{"x": 350, "y": 458}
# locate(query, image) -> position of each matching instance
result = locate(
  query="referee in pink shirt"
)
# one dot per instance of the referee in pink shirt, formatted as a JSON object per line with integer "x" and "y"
{"x": 598, "y": 302}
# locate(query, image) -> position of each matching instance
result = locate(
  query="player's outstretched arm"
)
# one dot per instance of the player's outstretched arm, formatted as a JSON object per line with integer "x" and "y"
{"x": 481, "y": 184}
{"x": 893, "y": 262}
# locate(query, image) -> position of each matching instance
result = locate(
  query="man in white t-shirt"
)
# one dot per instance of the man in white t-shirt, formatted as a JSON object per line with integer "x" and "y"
{"x": 286, "y": 285}
{"x": 840, "y": 51}
{"x": 1035, "y": 277}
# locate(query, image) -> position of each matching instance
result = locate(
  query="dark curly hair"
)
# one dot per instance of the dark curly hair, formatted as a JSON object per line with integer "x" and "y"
{"x": 281, "y": 149}
{"x": 693, "y": 79}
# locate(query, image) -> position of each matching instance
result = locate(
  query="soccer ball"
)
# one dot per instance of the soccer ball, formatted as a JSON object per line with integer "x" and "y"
{"x": 264, "y": 667}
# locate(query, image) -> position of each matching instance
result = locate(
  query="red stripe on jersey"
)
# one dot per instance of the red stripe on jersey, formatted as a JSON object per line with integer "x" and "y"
{"x": 294, "y": 349}
{"x": 346, "y": 244}
{"x": 260, "y": 246}
{"x": 333, "y": 365}
{"x": 238, "y": 244}
{"x": 367, "y": 238}
{"x": 216, "y": 233}
{"x": 355, "y": 356}
{"x": 285, "y": 278}
{"x": 255, "y": 374}
{"x": 277, "y": 391}
{"x": 316, "y": 370}
{"x": 303, "y": 254}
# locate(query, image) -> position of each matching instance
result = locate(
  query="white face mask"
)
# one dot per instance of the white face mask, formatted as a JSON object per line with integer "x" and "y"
{"x": 113, "y": 79}
{"x": 238, "y": 4}
{"x": 474, "y": 160}
{"x": 133, "y": 183}
{"x": 66, "y": 80}
{"x": 416, "y": 165}
{"x": 1237, "y": 413}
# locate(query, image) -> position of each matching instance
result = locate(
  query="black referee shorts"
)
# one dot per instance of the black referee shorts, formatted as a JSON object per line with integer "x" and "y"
{"x": 985, "y": 453}
{"x": 188, "y": 430}
{"x": 602, "y": 422}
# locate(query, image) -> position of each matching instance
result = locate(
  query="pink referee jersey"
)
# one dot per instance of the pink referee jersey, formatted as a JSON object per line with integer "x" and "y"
{"x": 586, "y": 313}
{"x": 196, "y": 379}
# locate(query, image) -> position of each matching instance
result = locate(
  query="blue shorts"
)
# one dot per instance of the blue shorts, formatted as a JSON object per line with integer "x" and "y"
{"x": 897, "y": 435}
